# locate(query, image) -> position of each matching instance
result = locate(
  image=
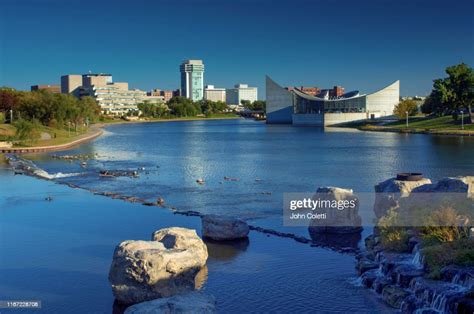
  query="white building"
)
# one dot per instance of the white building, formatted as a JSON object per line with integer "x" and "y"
{"x": 192, "y": 79}
{"x": 214, "y": 94}
{"x": 114, "y": 98}
{"x": 234, "y": 96}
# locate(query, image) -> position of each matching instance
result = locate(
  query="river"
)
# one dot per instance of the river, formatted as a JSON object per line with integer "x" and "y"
{"x": 60, "y": 251}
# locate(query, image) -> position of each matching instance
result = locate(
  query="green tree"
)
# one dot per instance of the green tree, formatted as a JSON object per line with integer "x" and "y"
{"x": 26, "y": 130}
{"x": 404, "y": 106}
{"x": 9, "y": 100}
{"x": 452, "y": 93}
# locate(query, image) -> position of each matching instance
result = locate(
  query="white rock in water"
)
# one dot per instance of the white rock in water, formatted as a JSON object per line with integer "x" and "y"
{"x": 223, "y": 228}
{"x": 192, "y": 302}
{"x": 146, "y": 270}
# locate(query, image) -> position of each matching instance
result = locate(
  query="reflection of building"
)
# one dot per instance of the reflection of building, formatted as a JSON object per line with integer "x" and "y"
{"x": 234, "y": 96}
{"x": 214, "y": 94}
{"x": 114, "y": 98}
{"x": 56, "y": 89}
{"x": 192, "y": 79}
{"x": 297, "y": 107}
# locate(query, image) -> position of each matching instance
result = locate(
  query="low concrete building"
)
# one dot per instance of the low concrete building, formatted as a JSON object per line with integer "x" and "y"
{"x": 56, "y": 89}
{"x": 234, "y": 96}
{"x": 214, "y": 94}
{"x": 71, "y": 83}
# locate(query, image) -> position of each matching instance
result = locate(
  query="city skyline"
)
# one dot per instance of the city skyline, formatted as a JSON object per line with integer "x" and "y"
{"x": 410, "y": 40}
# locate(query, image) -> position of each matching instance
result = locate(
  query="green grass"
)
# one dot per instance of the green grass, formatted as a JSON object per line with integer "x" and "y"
{"x": 429, "y": 123}
{"x": 459, "y": 252}
{"x": 58, "y": 136}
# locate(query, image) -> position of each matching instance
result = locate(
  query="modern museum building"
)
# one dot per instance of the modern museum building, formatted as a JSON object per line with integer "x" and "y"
{"x": 285, "y": 106}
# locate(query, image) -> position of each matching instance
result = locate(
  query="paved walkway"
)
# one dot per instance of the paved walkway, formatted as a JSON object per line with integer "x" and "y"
{"x": 93, "y": 133}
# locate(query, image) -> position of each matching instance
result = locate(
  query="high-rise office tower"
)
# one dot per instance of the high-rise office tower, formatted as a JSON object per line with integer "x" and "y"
{"x": 192, "y": 79}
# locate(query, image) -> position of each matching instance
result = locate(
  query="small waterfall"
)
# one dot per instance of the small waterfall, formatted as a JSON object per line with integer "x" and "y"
{"x": 464, "y": 279}
{"x": 418, "y": 259}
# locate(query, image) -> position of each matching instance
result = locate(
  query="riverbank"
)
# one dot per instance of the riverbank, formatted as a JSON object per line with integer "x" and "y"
{"x": 416, "y": 125}
{"x": 65, "y": 141}
{"x": 91, "y": 134}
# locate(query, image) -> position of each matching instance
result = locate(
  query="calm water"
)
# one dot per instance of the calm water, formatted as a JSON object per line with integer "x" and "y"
{"x": 60, "y": 251}
{"x": 265, "y": 159}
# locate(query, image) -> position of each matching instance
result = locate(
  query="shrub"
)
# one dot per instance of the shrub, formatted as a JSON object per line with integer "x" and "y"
{"x": 405, "y": 106}
{"x": 26, "y": 130}
{"x": 393, "y": 238}
{"x": 459, "y": 252}
{"x": 443, "y": 225}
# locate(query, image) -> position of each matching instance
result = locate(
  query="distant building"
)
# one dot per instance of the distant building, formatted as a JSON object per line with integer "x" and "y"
{"x": 313, "y": 91}
{"x": 114, "y": 98}
{"x": 96, "y": 79}
{"x": 336, "y": 91}
{"x": 70, "y": 84}
{"x": 295, "y": 107}
{"x": 167, "y": 95}
{"x": 234, "y": 96}
{"x": 214, "y": 94}
{"x": 56, "y": 89}
{"x": 192, "y": 79}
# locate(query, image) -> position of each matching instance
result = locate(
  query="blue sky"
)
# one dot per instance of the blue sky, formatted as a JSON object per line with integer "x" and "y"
{"x": 361, "y": 45}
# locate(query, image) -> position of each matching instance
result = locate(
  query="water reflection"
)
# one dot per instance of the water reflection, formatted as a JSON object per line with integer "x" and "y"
{"x": 337, "y": 241}
{"x": 226, "y": 251}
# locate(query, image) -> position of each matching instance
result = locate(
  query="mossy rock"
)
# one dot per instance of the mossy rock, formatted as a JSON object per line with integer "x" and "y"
{"x": 394, "y": 296}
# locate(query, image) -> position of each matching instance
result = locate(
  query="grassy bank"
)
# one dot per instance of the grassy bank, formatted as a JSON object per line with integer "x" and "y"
{"x": 428, "y": 125}
{"x": 47, "y": 136}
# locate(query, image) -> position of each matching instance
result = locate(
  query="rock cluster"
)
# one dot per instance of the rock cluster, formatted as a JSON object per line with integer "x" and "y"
{"x": 400, "y": 277}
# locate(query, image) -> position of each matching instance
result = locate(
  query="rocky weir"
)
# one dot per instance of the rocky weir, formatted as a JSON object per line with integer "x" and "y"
{"x": 404, "y": 279}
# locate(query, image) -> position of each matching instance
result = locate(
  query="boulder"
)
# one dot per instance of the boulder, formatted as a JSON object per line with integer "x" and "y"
{"x": 463, "y": 185}
{"x": 146, "y": 270}
{"x": 380, "y": 283}
{"x": 223, "y": 228}
{"x": 369, "y": 277}
{"x": 403, "y": 274}
{"x": 365, "y": 264}
{"x": 191, "y": 302}
{"x": 338, "y": 220}
{"x": 394, "y": 296}
{"x": 183, "y": 239}
{"x": 389, "y": 192}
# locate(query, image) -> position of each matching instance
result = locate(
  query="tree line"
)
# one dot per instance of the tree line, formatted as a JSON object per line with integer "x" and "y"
{"x": 45, "y": 108}
{"x": 450, "y": 95}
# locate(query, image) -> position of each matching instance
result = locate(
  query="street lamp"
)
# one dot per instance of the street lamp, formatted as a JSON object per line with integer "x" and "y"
{"x": 462, "y": 120}
{"x": 407, "y": 117}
